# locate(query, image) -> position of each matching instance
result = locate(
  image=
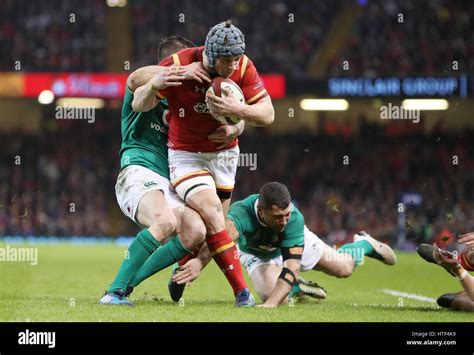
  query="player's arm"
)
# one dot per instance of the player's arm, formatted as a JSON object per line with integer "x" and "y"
{"x": 192, "y": 269}
{"x": 226, "y": 134}
{"x": 287, "y": 278}
{"x": 193, "y": 71}
{"x": 260, "y": 113}
{"x": 467, "y": 239}
{"x": 142, "y": 75}
{"x": 145, "y": 97}
{"x": 450, "y": 263}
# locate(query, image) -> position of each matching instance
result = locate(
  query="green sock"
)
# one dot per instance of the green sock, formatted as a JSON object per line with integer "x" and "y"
{"x": 295, "y": 290}
{"x": 357, "y": 250}
{"x": 138, "y": 252}
{"x": 165, "y": 256}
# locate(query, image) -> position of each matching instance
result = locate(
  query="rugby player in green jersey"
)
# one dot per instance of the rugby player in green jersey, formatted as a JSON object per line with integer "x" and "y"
{"x": 275, "y": 245}
{"x": 143, "y": 189}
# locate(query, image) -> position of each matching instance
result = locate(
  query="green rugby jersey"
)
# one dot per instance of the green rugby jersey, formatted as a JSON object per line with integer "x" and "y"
{"x": 259, "y": 240}
{"x": 144, "y": 137}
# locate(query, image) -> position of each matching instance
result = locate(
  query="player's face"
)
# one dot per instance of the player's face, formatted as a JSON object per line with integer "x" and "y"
{"x": 225, "y": 66}
{"x": 276, "y": 218}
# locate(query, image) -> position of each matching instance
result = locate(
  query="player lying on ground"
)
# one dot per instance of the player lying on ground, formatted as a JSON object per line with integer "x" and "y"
{"x": 457, "y": 266}
{"x": 143, "y": 189}
{"x": 201, "y": 171}
{"x": 275, "y": 245}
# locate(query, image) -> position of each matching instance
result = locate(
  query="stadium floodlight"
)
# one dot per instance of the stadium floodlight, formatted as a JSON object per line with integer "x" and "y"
{"x": 46, "y": 97}
{"x": 425, "y": 104}
{"x": 116, "y": 3}
{"x": 324, "y": 104}
{"x": 80, "y": 102}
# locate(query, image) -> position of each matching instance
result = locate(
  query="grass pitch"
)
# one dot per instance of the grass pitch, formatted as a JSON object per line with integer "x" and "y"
{"x": 68, "y": 280}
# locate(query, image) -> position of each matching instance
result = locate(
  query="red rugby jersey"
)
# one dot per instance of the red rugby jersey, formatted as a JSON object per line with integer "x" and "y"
{"x": 190, "y": 120}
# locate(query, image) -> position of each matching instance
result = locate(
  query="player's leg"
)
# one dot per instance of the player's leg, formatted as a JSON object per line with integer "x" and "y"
{"x": 220, "y": 244}
{"x": 365, "y": 245}
{"x": 193, "y": 182}
{"x": 225, "y": 204}
{"x": 140, "y": 195}
{"x": 263, "y": 272}
{"x": 264, "y": 279}
{"x": 459, "y": 301}
{"x": 191, "y": 231}
{"x": 335, "y": 264}
{"x": 176, "y": 290}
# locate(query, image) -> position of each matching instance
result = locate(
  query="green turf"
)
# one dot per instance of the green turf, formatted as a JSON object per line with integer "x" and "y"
{"x": 68, "y": 281}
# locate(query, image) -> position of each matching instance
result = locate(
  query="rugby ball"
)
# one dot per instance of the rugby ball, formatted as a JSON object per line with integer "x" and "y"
{"x": 219, "y": 83}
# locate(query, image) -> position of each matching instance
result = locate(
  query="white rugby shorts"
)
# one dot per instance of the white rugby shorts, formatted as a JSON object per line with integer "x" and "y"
{"x": 134, "y": 182}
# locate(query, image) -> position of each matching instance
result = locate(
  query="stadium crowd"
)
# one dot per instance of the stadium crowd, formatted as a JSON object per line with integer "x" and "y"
{"x": 425, "y": 40}
{"x": 342, "y": 183}
{"x": 398, "y": 38}
{"x": 59, "y": 35}
{"x": 58, "y": 183}
{"x": 277, "y": 42}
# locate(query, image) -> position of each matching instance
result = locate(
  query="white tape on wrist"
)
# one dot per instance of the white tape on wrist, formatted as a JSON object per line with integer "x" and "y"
{"x": 463, "y": 275}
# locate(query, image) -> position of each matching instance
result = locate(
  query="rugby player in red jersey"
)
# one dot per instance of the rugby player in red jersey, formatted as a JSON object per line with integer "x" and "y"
{"x": 458, "y": 266}
{"x": 201, "y": 171}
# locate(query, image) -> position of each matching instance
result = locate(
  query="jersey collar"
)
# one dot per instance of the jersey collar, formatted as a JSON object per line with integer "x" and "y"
{"x": 256, "y": 214}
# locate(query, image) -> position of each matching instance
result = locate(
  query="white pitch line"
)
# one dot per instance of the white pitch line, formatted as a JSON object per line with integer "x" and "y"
{"x": 413, "y": 296}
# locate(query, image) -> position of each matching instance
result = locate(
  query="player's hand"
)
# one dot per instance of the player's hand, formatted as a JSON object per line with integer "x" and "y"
{"x": 224, "y": 106}
{"x": 188, "y": 272}
{"x": 445, "y": 258}
{"x": 267, "y": 305}
{"x": 196, "y": 71}
{"x": 225, "y": 134}
{"x": 467, "y": 239}
{"x": 170, "y": 76}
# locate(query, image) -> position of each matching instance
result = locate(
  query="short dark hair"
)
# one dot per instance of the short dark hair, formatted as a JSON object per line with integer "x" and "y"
{"x": 274, "y": 193}
{"x": 171, "y": 45}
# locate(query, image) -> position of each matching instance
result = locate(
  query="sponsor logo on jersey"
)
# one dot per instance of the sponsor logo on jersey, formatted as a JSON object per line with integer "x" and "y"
{"x": 157, "y": 127}
{"x": 200, "y": 89}
{"x": 201, "y": 107}
{"x": 150, "y": 183}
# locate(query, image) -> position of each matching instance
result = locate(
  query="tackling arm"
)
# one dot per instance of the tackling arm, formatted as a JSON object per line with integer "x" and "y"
{"x": 193, "y": 71}
{"x": 192, "y": 269}
{"x": 288, "y": 277}
{"x": 142, "y": 75}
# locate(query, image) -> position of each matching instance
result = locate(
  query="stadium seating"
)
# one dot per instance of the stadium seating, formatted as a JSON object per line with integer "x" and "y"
{"x": 71, "y": 166}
